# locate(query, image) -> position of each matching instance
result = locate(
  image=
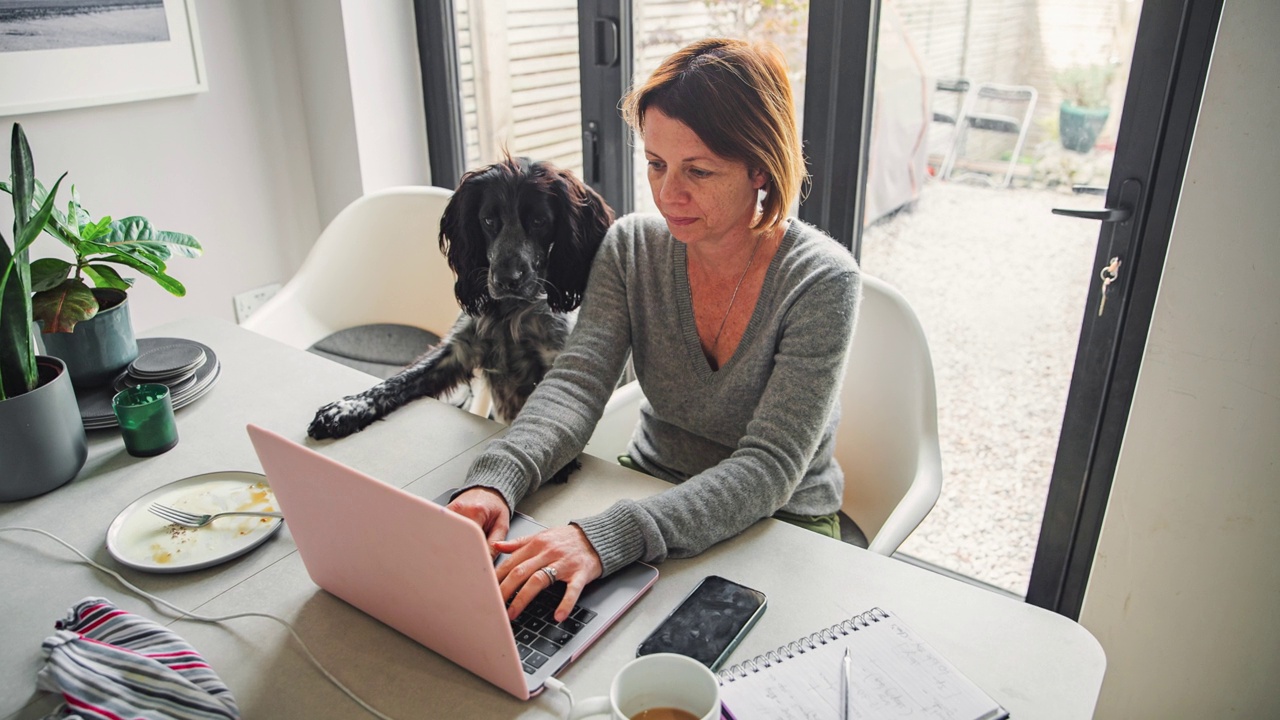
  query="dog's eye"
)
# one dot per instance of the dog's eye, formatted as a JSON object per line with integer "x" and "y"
{"x": 489, "y": 222}
{"x": 538, "y": 222}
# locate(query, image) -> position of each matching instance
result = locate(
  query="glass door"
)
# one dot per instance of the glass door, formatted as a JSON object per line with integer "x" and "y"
{"x": 519, "y": 80}
{"x": 1024, "y": 101}
{"x": 661, "y": 27}
{"x": 1050, "y": 159}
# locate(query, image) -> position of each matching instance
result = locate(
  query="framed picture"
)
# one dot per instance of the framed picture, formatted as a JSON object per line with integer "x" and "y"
{"x": 59, "y": 54}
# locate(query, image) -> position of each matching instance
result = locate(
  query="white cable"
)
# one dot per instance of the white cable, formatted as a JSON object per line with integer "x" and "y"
{"x": 554, "y": 684}
{"x": 209, "y": 619}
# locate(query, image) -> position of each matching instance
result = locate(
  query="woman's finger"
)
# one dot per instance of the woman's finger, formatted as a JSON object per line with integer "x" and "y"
{"x": 514, "y": 555}
{"x": 530, "y": 583}
{"x": 486, "y": 508}
{"x": 498, "y": 533}
{"x": 572, "y": 591}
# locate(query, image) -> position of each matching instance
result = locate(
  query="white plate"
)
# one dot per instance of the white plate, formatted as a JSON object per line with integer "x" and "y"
{"x": 143, "y": 541}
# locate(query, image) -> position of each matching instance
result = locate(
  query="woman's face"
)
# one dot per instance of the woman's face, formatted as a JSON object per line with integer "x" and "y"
{"x": 704, "y": 197}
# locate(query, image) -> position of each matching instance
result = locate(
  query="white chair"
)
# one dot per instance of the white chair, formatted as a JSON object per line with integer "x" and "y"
{"x": 992, "y": 108}
{"x": 887, "y": 440}
{"x": 377, "y": 262}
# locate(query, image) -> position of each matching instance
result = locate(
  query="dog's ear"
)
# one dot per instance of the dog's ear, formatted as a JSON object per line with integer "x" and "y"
{"x": 582, "y": 219}
{"x": 463, "y": 242}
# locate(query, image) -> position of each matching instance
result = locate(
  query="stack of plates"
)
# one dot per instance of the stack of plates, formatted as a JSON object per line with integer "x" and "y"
{"x": 187, "y": 367}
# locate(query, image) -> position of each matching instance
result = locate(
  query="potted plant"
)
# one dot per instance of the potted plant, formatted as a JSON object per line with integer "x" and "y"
{"x": 1085, "y": 104}
{"x": 41, "y": 435}
{"x": 90, "y": 328}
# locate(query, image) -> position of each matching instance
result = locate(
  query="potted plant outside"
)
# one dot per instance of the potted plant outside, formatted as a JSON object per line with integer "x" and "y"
{"x": 90, "y": 328}
{"x": 42, "y": 438}
{"x": 1085, "y": 105}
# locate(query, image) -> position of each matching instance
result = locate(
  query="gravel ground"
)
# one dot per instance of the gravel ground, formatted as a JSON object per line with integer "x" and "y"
{"x": 999, "y": 284}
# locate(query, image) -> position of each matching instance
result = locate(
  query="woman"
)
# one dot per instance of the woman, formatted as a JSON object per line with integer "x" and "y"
{"x": 738, "y": 321}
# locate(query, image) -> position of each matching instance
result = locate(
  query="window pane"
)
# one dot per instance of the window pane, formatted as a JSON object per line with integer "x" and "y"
{"x": 519, "y": 75}
{"x": 662, "y": 27}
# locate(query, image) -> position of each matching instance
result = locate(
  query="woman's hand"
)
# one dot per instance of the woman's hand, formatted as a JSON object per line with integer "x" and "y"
{"x": 564, "y": 549}
{"x": 486, "y": 508}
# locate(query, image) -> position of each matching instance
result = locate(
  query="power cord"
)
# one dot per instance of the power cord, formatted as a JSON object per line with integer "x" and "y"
{"x": 554, "y": 684}
{"x": 213, "y": 620}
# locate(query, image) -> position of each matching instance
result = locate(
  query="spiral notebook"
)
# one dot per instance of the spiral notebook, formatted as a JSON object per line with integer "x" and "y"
{"x": 894, "y": 674}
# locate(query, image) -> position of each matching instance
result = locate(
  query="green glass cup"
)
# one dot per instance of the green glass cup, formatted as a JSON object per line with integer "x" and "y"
{"x": 146, "y": 419}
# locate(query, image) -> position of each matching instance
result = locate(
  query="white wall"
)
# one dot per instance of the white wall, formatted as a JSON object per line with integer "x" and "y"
{"x": 229, "y": 166}
{"x": 362, "y": 93}
{"x": 311, "y": 103}
{"x": 1185, "y": 585}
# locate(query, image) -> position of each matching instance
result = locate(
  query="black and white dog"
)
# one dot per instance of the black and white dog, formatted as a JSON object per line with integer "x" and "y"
{"x": 520, "y": 237}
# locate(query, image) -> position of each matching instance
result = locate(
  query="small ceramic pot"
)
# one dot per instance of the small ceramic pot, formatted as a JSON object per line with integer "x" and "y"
{"x": 99, "y": 348}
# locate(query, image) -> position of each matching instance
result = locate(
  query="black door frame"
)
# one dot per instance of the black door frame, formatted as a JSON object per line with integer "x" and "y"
{"x": 1170, "y": 62}
{"x": 441, "y": 90}
{"x": 839, "y": 82}
{"x": 1166, "y": 81}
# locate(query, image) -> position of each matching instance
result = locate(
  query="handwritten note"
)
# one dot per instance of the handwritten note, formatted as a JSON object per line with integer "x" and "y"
{"x": 895, "y": 674}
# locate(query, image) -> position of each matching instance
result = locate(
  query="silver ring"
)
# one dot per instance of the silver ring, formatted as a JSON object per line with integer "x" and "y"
{"x": 550, "y": 572}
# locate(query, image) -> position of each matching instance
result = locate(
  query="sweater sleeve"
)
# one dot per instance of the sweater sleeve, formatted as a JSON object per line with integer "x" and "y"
{"x": 561, "y": 413}
{"x": 770, "y": 460}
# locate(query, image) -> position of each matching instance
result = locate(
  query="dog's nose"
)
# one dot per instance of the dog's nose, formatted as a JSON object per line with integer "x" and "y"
{"x": 510, "y": 280}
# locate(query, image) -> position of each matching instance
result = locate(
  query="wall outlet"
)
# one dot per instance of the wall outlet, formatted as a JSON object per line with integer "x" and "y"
{"x": 246, "y": 303}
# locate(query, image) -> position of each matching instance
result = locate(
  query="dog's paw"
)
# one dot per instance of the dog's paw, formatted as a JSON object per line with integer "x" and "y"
{"x": 342, "y": 418}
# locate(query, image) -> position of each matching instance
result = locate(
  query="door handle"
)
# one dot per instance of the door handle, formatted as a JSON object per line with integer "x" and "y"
{"x": 1105, "y": 215}
{"x": 1130, "y": 190}
{"x": 608, "y": 42}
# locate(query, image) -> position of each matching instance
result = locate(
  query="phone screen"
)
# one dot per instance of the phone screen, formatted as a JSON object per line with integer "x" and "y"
{"x": 709, "y": 623}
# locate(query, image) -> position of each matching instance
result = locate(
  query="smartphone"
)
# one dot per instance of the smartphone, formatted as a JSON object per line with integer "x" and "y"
{"x": 709, "y": 623}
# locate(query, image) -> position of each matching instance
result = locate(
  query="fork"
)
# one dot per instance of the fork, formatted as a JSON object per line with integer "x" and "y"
{"x": 191, "y": 520}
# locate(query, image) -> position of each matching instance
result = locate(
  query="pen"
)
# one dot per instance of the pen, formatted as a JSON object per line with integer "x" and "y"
{"x": 846, "y": 666}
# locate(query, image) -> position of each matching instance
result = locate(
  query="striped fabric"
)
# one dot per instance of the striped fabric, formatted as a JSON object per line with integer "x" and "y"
{"x": 110, "y": 664}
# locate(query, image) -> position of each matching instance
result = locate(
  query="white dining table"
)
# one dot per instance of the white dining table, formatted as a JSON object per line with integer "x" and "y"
{"x": 1035, "y": 663}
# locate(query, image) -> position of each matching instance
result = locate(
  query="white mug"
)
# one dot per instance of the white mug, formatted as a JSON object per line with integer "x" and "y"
{"x": 661, "y": 680}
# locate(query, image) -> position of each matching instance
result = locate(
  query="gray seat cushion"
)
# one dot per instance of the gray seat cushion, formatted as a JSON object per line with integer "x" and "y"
{"x": 382, "y": 350}
{"x": 850, "y": 532}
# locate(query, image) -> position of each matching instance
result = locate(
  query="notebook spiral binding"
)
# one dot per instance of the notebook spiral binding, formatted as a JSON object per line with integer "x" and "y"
{"x": 803, "y": 645}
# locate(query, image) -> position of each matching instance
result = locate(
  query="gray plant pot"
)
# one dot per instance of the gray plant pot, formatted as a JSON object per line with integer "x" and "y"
{"x": 100, "y": 347}
{"x": 42, "y": 437}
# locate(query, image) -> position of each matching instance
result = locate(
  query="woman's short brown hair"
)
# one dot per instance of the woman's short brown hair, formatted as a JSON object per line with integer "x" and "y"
{"x": 736, "y": 98}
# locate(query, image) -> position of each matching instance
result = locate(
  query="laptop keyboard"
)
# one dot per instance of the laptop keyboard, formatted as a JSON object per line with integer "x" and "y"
{"x": 538, "y": 635}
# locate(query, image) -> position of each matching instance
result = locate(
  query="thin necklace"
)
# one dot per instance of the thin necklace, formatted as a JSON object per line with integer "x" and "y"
{"x": 715, "y": 343}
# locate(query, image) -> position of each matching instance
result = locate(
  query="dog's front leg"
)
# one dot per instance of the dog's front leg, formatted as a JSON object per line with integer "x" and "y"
{"x": 436, "y": 373}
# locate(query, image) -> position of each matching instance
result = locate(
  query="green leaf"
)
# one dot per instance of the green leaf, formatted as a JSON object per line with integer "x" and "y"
{"x": 17, "y": 353}
{"x": 36, "y": 224}
{"x": 59, "y": 309}
{"x": 105, "y": 253}
{"x": 92, "y": 231}
{"x": 48, "y": 273}
{"x": 105, "y": 276}
{"x": 138, "y": 232}
{"x": 23, "y": 174}
{"x": 79, "y": 216}
{"x": 180, "y": 243}
{"x": 168, "y": 283}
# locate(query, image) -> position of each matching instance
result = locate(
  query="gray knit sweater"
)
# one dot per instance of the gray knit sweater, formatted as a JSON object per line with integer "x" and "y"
{"x": 739, "y": 443}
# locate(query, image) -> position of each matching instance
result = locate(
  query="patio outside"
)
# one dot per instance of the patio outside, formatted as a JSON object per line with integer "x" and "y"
{"x": 1000, "y": 285}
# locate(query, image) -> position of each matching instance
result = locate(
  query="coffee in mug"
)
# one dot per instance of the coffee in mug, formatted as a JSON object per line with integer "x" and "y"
{"x": 662, "y": 686}
{"x": 665, "y": 713}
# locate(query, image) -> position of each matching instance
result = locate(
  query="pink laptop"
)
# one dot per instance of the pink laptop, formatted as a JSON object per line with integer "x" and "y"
{"x": 426, "y": 571}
